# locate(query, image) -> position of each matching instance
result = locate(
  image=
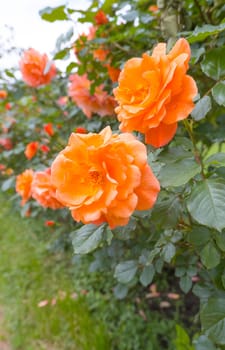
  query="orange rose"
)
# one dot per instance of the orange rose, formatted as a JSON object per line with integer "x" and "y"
{"x": 101, "y": 18}
{"x": 31, "y": 149}
{"x": 36, "y": 69}
{"x": 100, "y": 102}
{"x": 113, "y": 73}
{"x": 23, "y": 185}
{"x": 104, "y": 177}
{"x": 3, "y": 94}
{"x": 154, "y": 93}
{"x": 48, "y": 128}
{"x": 43, "y": 191}
{"x": 100, "y": 54}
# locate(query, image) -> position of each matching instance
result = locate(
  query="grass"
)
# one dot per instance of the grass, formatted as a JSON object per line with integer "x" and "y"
{"x": 30, "y": 275}
{"x": 79, "y": 311}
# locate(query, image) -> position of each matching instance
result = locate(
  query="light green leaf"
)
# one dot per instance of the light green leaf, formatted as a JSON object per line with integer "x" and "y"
{"x": 210, "y": 256}
{"x": 206, "y": 203}
{"x": 203, "y": 343}
{"x": 87, "y": 238}
{"x": 52, "y": 14}
{"x": 201, "y": 33}
{"x": 147, "y": 275}
{"x": 120, "y": 291}
{"x": 168, "y": 252}
{"x": 7, "y": 184}
{"x": 182, "y": 340}
{"x": 125, "y": 271}
{"x": 202, "y": 107}
{"x": 217, "y": 159}
{"x": 213, "y": 319}
{"x": 214, "y": 64}
{"x": 218, "y": 93}
{"x": 63, "y": 54}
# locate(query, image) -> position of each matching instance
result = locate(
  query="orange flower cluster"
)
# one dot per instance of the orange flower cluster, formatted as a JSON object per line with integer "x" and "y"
{"x": 37, "y": 185}
{"x": 100, "y": 102}
{"x": 104, "y": 177}
{"x": 36, "y": 69}
{"x": 154, "y": 93}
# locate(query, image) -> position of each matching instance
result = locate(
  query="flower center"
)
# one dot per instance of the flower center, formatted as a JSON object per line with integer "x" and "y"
{"x": 95, "y": 177}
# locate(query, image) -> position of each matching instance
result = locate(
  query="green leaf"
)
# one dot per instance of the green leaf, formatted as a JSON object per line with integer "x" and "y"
{"x": 182, "y": 340}
{"x": 166, "y": 212}
{"x": 125, "y": 271}
{"x": 173, "y": 174}
{"x": 202, "y": 107}
{"x": 61, "y": 54}
{"x": 168, "y": 252}
{"x": 199, "y": 236}
{"x": 218, "y": 93}
{"x": 217, "y": 159}
{"x": 214, "y": 64}
{"x": 201, "y": 33}
{"x": 210, "y": 256}
{"x": 203, "y": 343}
{"x": 147, "y": 275}
{"x": 220, "y": 240}
{"x": 206, "y": 203}
{"x": 52, "y": 14}
{"x": 87, "y": 238}
{"x": 213, "y": 319}
{"x": 120, "y": 291}
{"x": 185, "y": 283}
{"x": 7, "y": 184}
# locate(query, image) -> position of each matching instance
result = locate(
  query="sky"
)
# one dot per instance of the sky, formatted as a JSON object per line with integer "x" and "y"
{"x": 29, "y": 30}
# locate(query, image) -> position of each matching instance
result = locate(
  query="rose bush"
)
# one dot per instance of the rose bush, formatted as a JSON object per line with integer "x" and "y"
{"x": 105, "y": 175}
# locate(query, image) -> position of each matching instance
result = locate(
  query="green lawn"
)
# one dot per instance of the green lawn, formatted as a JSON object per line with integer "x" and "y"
{"x": 30, "y": 275}
{"x": 52, "y": 302}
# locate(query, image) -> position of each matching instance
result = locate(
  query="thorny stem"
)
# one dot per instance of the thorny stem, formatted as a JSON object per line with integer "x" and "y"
{"x": 188, "y": 126}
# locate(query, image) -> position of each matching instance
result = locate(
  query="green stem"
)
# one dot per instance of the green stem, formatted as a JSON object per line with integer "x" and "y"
{"x": 198, "y": 158}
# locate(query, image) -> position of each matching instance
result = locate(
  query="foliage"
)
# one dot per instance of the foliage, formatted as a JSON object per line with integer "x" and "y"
{"x": 182, "y": 236}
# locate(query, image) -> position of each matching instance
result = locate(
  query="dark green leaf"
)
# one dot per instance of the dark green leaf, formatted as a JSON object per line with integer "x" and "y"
{"x": 207, "y": 205}
{"x": 52, "y": 14}
{"x": 147, "y": 275}
{"x": 218, "y": 93}
{"x": 185, "y": 283}
{"x": 220, "y": 240}
{"x": 125, "y": 271}
{"x": 201, "y": 33}
{"x": 210, "y": 256}
{"x": 214, "y": 64}
{"x": 213, "y": 319}
{"x": 173, "y": 174}
{"x": 87, "y": 238}
{"x": 202, "y": 107}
